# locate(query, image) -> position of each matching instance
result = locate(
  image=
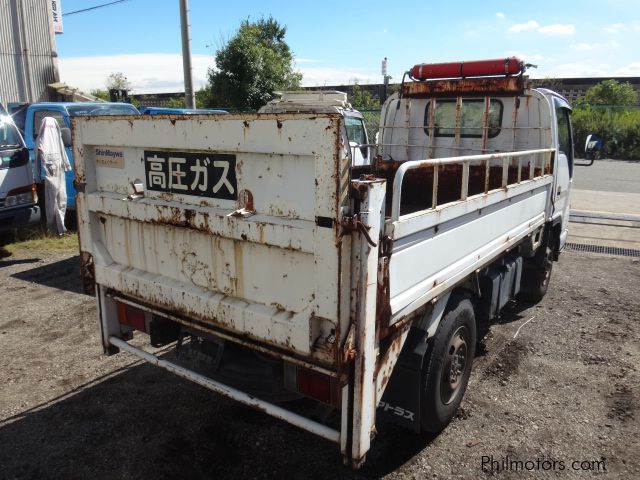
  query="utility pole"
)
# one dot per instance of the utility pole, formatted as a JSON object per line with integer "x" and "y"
{"x": 386, "y": 80}
{"x": 189, "y": 94}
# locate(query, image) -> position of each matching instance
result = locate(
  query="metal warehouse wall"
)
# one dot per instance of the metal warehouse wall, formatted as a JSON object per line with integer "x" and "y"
{"x": 28, "y": 58}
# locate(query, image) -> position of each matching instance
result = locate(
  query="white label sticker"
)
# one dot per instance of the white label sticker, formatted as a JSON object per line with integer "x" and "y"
{"x": 109, "y": 157}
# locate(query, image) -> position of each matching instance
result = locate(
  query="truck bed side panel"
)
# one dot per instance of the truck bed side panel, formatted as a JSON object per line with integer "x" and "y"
{"x": 466, "y": 236}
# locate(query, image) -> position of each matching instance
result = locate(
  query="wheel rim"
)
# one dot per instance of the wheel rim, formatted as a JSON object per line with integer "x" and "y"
{"x": 548, "y": 265}
{"x": 455, "y": 365}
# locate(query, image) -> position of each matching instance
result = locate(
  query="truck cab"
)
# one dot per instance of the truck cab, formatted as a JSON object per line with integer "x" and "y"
{"x": 18, "y": 198}
{"x": 355, "y": 133}
{"x": 479, "y": 116}
{"x": 29, "y": 116}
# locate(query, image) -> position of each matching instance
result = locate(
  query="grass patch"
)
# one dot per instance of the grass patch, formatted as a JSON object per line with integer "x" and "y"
{"x": 28, "y": 242}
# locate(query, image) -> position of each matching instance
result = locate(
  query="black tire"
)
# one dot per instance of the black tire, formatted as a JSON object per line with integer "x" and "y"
{"x": 448, "y": 365}
{"x": 536, "y": 273}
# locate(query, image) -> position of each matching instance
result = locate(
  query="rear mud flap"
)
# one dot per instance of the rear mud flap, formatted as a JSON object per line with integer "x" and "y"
{"x": 400, "y": 403}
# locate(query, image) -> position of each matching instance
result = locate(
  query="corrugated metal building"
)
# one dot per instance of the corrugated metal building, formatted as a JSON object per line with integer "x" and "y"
{"x": 28, "y": 58}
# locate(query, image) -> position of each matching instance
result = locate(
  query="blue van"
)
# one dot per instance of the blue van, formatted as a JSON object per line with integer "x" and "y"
{"x": 28, "y": 117}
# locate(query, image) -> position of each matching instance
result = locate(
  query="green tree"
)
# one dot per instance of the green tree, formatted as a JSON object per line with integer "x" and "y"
{"x": 251, "y": 66}
{"x": 203, "y": 98}
{"x": 551, "y": 83}
{"x": 362, "y": 99}
{"x": 609, "y": 92}
{"x": 118, "y": 81}
{"x": 100, "y": 93}
{"x": 175, "y": 102}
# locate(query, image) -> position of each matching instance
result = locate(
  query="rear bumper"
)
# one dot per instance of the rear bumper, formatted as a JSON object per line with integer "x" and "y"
{"x": 19, "y": 217}
{"x": 261, "y": 405}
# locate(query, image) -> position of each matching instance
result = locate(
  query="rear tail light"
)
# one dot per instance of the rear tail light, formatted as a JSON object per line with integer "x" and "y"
{"x": 318, "y": 386}
{"x": 132, "y": 317}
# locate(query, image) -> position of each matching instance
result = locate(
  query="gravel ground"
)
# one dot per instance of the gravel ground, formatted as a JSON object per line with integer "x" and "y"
{"x": 565, "y": 389}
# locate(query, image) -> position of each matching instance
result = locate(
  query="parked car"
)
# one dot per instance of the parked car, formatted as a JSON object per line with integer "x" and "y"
{"x": 328, "y": 101}
{"x": 18, "y": 197}
{"x": 28, "y": 118}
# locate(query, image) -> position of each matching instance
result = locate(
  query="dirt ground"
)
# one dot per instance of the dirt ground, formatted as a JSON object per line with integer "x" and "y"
{"x": 565, "y": 389}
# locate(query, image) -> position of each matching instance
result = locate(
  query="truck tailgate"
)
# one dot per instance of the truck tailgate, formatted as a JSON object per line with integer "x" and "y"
{"x": 228, "y": 220}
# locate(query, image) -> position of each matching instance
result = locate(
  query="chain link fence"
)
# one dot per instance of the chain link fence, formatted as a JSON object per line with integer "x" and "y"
{"x": 372, "y": 122}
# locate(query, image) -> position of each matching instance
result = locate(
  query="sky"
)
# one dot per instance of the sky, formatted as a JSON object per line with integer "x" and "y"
{"x": 344, "y": 42}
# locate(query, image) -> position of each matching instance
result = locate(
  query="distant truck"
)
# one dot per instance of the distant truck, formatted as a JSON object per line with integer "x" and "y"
{"x": 264, "y": 244}
{"x": 328, "y": 101}
{"x": 18, "y": 197}
{"x": 28, "y": 117}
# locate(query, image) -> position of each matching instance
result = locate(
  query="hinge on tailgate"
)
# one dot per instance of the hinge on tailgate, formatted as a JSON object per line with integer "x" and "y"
{"x": 353, "y": 223}
{"x": 245, "y": 201}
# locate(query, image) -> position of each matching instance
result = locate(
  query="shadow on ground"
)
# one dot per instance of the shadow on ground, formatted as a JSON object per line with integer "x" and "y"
{"x": 63, "y": 274}
{"x": 145, "y": 423}
{"x": 8, "y": 263}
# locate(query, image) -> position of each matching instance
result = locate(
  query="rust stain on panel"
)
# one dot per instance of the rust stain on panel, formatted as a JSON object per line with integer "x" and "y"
{"x": 469, "y": 86}
{"x": 238, "y": 279}
{"x": 88, "y": 273}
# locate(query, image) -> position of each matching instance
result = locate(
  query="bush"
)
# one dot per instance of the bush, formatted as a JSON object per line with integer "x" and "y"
{"x": 619, "y": 127}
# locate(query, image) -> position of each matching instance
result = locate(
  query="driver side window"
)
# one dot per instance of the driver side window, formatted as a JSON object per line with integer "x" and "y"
{"x": 565, "y": 145}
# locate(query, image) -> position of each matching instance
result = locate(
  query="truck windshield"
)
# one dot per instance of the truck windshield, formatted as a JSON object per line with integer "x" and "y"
{"x": 355, "y": 130}
{"x": 84, "y": 110}
{"x": 9, "y": 136}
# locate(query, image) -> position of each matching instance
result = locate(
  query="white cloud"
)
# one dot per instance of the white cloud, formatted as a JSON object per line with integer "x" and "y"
{"x": 522, "y": 27}
{"x": 146, "y": 72}
{"x": 590, "y": 68}
{"x": 500, "y": 15}
{"x": 335, "y": 75}
{"x": 631, "y": 70}
{"x": 162, "y": 72}
{"x": 615, "y": 28}
{"x": 557, "y": 29}
{"x": 622, "y": 27}
{"x": 526, "y": 57}
{"x": 306, "y": 60}
{"x": 590, "y": 47}
{"x": 571, "y": 70}
{"x": 154, "y": 73}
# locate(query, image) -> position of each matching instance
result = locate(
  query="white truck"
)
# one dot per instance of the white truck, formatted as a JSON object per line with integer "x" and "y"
{"x": 255, "y": 238}
{"x": 327, "y": 101}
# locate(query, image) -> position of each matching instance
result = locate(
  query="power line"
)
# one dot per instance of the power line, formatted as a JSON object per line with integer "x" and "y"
{"x": 93, "y": 8}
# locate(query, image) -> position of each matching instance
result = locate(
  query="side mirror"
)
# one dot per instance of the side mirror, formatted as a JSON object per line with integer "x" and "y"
{"x": 593, "y": 147}
{"x": 19, "y": 158}
{"x": 66, "y": 136}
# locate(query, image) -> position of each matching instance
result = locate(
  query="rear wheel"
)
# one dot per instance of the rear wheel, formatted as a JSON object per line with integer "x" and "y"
{"x": 448, "y": 366}
{"x": 537, "y": 273}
